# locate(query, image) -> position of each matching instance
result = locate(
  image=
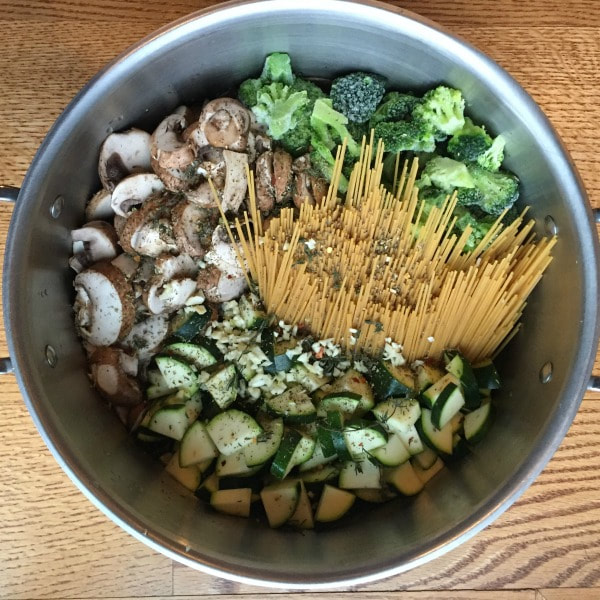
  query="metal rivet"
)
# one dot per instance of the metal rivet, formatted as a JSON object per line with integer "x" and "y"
{"x": 51, "y": 357}
{"x": 546, "y": 372}
{"x": 551, "y": 228}
{"x": 57, "y": 207}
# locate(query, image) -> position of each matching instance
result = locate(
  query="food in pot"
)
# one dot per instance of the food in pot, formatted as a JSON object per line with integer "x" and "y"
{"x": 292, "y": 327}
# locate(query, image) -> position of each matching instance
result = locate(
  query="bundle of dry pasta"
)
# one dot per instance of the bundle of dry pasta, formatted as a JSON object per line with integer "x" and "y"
{"x": 377, "y": 266}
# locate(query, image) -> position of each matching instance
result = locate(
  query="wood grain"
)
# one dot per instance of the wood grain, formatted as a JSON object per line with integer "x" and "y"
{"x": 55, "y": 544}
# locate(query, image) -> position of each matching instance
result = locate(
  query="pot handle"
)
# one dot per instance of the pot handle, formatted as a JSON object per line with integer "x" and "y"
{"x": 6, "y": 366}
{"x": 8, "y": 193}
{"x": 594, "y": 384}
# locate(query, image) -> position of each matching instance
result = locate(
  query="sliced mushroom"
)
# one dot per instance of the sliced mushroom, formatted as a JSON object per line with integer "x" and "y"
{"x": 134, "y": 190}
{"x": 223, "y": 123}
{"x": 227, "y": 279}
{"x": 302, "y": 191}
{"x": 148, "y": 231}
{"x": 236, "y": 182}
{"x": 126, "y": 264}
{"x": 146, "y": 336}
{"x": 218, "y": 286}
{"x": 95, "y": 241}
{"x": 121, "y": 155}
{"x": 283, "y": 176}
{"x": 203, "y": 196}
{"x": 168, "y": 148}
{"x": 265, "y": 190}
{"x": 319, "y": 187}
{"x": 172, "y": 285}
{"x": 104, "y": 306}
{"x": 112, "y": 380}
{"x": 99, "y": 206}
{"x": 193, "y": 226}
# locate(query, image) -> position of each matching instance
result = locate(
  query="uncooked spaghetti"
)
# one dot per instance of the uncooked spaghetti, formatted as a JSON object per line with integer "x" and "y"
{"x": 376, "y": 267}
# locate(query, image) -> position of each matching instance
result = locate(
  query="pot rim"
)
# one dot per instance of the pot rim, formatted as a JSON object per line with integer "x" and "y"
{"x": 545, "y": 445}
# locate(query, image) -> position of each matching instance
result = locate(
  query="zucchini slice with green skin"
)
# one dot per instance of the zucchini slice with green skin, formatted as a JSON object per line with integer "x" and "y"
{"x": 404, "y": 479}
{"x": 412, "y": 439}
{"x": 234, "y": 465}
{"x": 356, "y": 383}
{"x": 359, "y": 474}
{"x": 232, "y": 430}
{"x": 190, "y": 477}
{"x": 177, "y": 373}
{"x": 447, "y": 405}
{"x": 334, "y": 503}
{"x": 320, "y": 474}
{"x": 306, "y": 378}
{"x": 398, "y": 414}
{"x": 433, "y": 392}
{"x": 437, "y": 439}
{"x": 390, "y": 381}
{"x": 266, "y": 444}
{"x": 317, "y": 459}
{"x": 294, "y": 449}
{"x": 235, "y": 501}
{"x": 427, "y": 374}
{"x": 173, "y": 420}
{"x": 196, "y": 445}
{"x": 191, "y": 324}
{"x": 294, "y": 405}
{"x": 328, "y": 432}
{"x": 461, "y": 368}
{"x": 280, "y": 501}
{"x": 392, "y": 453}
{"x": 223, "y": 386}
{"x": 158, "y": 386}
{"x": 477, "y": 423}
{"x": 303, "y": 517}
{"x": 195, "y": 354}
{"x": 487, "y": 375}
{"x": 363, "y": 437}
{"x": 253, "y": 315}
{"x": 344, "y": 402}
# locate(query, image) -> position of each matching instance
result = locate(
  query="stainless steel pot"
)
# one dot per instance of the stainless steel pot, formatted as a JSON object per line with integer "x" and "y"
{"x": 545, "y": 369}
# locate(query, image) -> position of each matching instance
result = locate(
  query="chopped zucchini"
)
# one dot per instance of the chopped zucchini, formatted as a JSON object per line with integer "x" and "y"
{"x": 404, "y": 479}
{"x": 334, "y": 503}
{"x": 196, "y": 445}
{"x": 177, "y": 373}
{"x": 303, "y": 517}
{"x": 461, "y": 368}
{"x": 359, "y": 474}
{"x": 233, "y": 501}
{"x": 280, "y": 501}
{"x": 223, "y": 385}
{"x": 196, "y": 354}
{"x": 477, "y": 423}
{"x": 294, "y": 405}
{"x": 232, "y": 430}
{"x": 398, "y": 414}
{"x": 392, "y": 381}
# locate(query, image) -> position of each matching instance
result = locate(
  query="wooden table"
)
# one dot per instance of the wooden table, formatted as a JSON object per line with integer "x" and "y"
{"x": 55, "y": 544}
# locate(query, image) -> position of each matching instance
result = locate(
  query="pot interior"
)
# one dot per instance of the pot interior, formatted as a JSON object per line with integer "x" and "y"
{"x": 201, "y": 57}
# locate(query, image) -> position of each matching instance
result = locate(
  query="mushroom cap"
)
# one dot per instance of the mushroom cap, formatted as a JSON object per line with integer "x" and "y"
{"x": 108, "y": 373}
{"x": 99, "y": 240}
{"x": 265, "y": 189}
{"x": 218, "y": 286}
{"x": 146, "y": 336}
{"x": 104, "y": 306}
{"x": 148, "y": 231}
{"x": 193, "y": 226}
{"x": 134, "y": 190}
{"x": 168, "y": 148}
{"x": 223, "y": 123}
{"x": 99, "y": 206}
{"x": 122, "y": 154}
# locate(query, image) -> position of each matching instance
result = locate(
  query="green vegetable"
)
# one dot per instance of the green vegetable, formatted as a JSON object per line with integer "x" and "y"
{"x": 278, "y": 69}
{"x": 446, "y": 174}
{"x": 442, "y": 108}
{"x": 357, "y": 95}
{"x": 394, "y": 106}
{"x": 492, "y": 158}
{"x": 399, "y": 136}
{"x": 469, "y": 143}
{"x": 276, "y": 108}
{"x": 492, "y": 193}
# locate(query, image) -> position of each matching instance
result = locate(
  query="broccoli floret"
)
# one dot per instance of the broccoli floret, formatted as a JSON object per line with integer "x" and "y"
{"x": 492, "y": 158}
{"x": 278, "y": 69}
{"x": 276, "y": 108}
{"x": 399, "y": 136}
{"x": 329, "y": 126}
{"x": 296, "y": 141}
{"x": 443, "y": 109}
{"x": 469, "y": 143}
{"x": 322, "y": 162}
{"x": 492, "y": 192}
{"x": 357, "y": 95}
{"x": 445, "y": 174}
{"x": 394, "y": 107}
{"x": 480, "y": 225}
{"x": 248, "y": 91}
